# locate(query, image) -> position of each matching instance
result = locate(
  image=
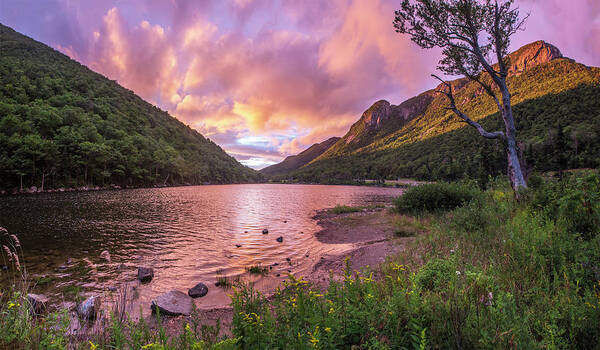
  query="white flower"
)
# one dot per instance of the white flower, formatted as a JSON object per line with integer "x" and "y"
{"x": 458, "y": 273}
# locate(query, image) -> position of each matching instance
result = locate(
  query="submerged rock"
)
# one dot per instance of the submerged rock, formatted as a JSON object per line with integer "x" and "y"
{"x": 173, "y": 303}
{"x": 279, "y": 239}
{"x": 198, "y": 290}
{"x": 145, "y": 274}
{"x": 88, "y": 309}
{"x": 38, "y": 302}
{"x": 265, "y": 231}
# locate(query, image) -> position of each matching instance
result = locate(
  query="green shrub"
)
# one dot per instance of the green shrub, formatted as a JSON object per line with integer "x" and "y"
{"x": 435, "y": 274}
{"x": 439, "y": 196}
{"x": 573, "y": 202}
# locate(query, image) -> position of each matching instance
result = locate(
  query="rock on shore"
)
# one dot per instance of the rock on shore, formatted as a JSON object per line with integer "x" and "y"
{"x": 173, "y": 303}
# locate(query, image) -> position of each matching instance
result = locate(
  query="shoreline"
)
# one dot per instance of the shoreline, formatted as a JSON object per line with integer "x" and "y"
{"x": 367, "y": 237}
{"x": 33, "y": 190}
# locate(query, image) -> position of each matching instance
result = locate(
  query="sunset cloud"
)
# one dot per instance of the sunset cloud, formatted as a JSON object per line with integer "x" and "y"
{"x": 267, "y": 78}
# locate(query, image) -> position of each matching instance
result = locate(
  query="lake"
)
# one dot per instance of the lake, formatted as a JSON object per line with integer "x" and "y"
{"x": 187, "y": 234}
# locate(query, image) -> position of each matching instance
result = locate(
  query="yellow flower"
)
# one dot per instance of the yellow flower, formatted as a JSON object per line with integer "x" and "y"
{"x": 327, "y": 329}
{"x": 93, "y": 346}
{"x": 188, "y": 328}
{"x": 331, "y": 310}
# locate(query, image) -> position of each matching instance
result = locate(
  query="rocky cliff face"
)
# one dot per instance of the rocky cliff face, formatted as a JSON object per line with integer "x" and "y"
{"x": 377, "y": 114}
{"x": 532, "y": 55}
{"x": 383, "y": 120}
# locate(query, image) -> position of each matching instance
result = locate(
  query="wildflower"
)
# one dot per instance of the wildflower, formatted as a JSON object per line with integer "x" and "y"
{"x": 188, "y": 328}
{"x": 148, "y": 346}
{"x": 451, "y": 251}
{"x": 487, "y": 301}
{"x": 93, "y": 346}
{"x": 458, "y": 273}
{"x": 327, "y": 329}
{"x": 331, "y": 310}
{"x": 369, "y": 295}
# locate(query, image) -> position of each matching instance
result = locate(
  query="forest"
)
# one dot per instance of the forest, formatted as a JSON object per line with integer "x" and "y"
{"x": 65, "y": 126}
{"x": 557, "y": 112}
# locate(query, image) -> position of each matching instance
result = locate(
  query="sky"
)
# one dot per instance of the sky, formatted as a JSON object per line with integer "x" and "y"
{"x": 265, "y": 79}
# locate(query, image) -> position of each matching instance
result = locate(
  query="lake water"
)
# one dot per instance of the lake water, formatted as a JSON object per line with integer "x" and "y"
{"x": 187, "y": 234}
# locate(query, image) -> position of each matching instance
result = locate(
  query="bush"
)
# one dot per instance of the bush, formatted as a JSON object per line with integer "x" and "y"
{"x": 435, "y": 274}
{"x": 573, "y": 202}
{"x": 439, "y": 196}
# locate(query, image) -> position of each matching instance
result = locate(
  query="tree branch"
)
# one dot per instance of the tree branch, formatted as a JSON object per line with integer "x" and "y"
{"x": 464, "y": 117}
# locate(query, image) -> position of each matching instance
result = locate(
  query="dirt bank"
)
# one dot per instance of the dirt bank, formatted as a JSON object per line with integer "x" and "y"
{"x": 372, "y": 238}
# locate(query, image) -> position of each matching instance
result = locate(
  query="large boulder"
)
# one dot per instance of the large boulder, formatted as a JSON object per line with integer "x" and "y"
{"x": 198, "y": 290}
{"x": 89, "y": 308}
{"x": 38, "y": 303}
{"x": 145, "y": 274}
{"x": 173, "y": 303}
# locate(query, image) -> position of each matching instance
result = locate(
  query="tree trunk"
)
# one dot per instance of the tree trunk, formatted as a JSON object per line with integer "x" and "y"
{"x": 515, "y": 173}
{"x": 43, "y": 178}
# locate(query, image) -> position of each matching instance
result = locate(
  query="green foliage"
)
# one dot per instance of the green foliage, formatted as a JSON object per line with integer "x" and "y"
{"x": 62, "y": 125}
{"x": 344, "y": 209}
{"x": 435, "y": 196}
{"x": 435, "y": 274}
{"x": 521, "y": 278}
{"x": 258, "y": 270}
{"x": 557, "y": 116}
{"x": 509, "y": 275}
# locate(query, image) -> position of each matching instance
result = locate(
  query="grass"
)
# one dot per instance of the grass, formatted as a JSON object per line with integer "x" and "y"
{"x": 491, "y": 273}
{"x": 226, "y": 282}
{"x": 344, "y": 209}
{"x": 257, "y": 270}
{"x": 407, "y": 226}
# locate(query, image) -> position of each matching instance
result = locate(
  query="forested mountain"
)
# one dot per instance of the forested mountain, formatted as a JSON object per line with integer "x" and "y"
{"x": 63, "y": 125}
{"x": 292, "y": 163}
{"x": 557, "y": 109}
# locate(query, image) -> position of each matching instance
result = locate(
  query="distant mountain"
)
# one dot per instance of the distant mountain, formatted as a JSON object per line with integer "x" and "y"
{"x": 292, "y": 163}
{"x": 63, "y": 125}
{"x": 557, "y": 108}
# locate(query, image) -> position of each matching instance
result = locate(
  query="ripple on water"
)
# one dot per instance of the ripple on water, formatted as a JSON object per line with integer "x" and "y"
{"x": 188, "y": 234}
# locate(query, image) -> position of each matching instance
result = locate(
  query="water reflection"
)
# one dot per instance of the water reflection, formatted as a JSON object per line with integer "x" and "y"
{"x": 187, "y": 234}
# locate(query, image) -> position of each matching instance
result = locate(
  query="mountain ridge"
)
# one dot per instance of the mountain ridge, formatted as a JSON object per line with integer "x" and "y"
{"x": 294, "y": 162}
{"x": 63, "y": 125}
{"x": 384, "y": 129}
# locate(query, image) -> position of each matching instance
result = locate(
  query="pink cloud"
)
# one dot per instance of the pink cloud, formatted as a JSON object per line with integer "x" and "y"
{"x": 291, "y": 72}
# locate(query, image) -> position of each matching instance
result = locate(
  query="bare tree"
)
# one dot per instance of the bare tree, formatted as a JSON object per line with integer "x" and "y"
{"x": 469, "y": 32}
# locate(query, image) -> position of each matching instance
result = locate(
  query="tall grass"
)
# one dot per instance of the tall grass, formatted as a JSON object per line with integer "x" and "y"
{"x": 492, "y": 273}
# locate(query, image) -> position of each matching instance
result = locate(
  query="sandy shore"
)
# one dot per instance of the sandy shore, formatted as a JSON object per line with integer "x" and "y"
{"x": 370, "y": 234}
{"x": 366, "y": 237}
